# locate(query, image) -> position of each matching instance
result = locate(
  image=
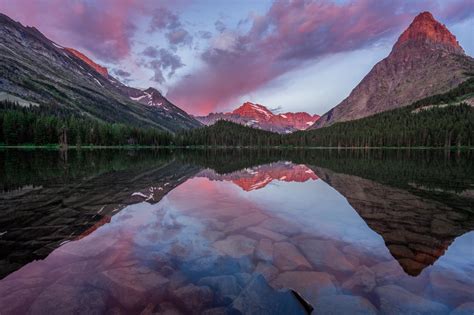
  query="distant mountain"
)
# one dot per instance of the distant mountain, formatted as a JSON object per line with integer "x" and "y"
{"x": 426, "y": 60}
{"x": 34, "y": 69}
{"x": 258, "y": 116}
{"x": 260, "y": 176}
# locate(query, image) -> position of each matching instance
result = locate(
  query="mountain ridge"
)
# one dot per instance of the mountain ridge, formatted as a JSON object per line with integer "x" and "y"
{"x": 426, "y": 60}
{"x": 259, "y": 116}
{"x": 38, "y": 70}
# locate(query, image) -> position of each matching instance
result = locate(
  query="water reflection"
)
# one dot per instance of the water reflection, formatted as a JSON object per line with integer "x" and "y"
{"x": 185, "y": 232}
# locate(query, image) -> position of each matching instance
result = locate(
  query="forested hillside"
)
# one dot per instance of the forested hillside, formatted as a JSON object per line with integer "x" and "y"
{"x": 443, "y": 120}
{"x": 54, "y": 125}
{"x": 438, "y": 121}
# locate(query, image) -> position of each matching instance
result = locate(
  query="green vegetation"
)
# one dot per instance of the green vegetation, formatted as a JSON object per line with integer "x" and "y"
{"x": 443, "y": 120}
{"x": 42, "y": 126}
{"x": 411, "y": 126}
{"x": 442, "y": 175}
{"x": 422, "y": 124}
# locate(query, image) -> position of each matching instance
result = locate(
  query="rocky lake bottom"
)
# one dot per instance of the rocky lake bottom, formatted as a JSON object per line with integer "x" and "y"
{"x": 236, "y": 232}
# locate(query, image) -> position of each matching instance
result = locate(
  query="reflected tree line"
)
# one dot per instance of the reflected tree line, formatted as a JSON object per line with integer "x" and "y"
{"x": 436, "y": 171}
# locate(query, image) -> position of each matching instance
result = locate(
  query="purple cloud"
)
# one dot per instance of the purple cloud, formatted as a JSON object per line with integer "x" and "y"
{"x": 166, "y": 61}
{"x": 289, "y": 34}
{"x": 122, "y": 73}
{"x": 150, "y": 52}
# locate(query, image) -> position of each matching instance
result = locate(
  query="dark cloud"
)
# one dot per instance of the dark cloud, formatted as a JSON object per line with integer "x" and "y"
{"x": 151, "y": 52}
{"x": 204, "y": 34}
{"x": 166, "y": 62}
{"x": 122, "y": 73}
{"x": 220, "y": 26}
{"x": 179, "y": 37}
{"x": 167, "y": 21}
{"x": 164, "y": 19}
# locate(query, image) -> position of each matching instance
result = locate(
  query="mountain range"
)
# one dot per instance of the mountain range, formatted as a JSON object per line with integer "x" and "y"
{"x": 259, "y": 116}
{"x": 258, "y": 177}
{"x": 36, "y": 70}
{"x": 426, "y": 60}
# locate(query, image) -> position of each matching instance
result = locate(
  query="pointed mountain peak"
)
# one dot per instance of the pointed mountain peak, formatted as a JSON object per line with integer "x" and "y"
{"x": 102, "y": 70}
{"x": 425, "y": 30}
{"x": 152, "y": 91}
{"x": 253, "y": 111}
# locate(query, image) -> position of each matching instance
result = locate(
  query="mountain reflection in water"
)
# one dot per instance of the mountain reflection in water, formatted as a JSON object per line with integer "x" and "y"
{"x": 232, "y": 231}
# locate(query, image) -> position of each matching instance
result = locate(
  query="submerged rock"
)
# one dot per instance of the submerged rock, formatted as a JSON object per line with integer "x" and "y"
{"x": 309, "y": 284}
{"x": 280, "y": 226}
{"x": 264, "y": 250}
{"x": 363, "y": 280}
{"x": 195, "y": 298}
{"x": 132, "y": 285}
{"x": 260, "y": 232}
{"x": 396, "y": 300}
{"x": 236, "y": 246}
{"x": 68, "y": 299}
{"x": 259, "y": 298}
{"x": 287, "y": 257}
{"x": 324, "y": 255}
{"x": 225, "y": 286}
{"x": 267, "y": 270}
{"x": 344, "y": 304}
{"x": 449, "y": 286}
{"x": 464, "y": 309}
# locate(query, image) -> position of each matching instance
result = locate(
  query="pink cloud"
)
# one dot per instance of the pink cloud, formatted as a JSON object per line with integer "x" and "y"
{"x": 289, "y": 34}
{"x": 105, "y": 28}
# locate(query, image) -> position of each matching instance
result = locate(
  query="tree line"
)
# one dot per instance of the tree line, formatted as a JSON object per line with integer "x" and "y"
{"x": 45, "y": 126}
{"x": 422, "y": 124}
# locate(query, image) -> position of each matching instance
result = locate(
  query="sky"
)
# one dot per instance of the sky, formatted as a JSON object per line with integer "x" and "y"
{"x": 213, "y": 55}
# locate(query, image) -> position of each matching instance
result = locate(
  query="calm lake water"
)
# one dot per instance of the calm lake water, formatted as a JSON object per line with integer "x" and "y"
{"x": 236, "y": 231}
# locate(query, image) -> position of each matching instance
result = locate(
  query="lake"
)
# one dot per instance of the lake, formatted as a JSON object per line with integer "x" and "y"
{"x": 236, "y": 231}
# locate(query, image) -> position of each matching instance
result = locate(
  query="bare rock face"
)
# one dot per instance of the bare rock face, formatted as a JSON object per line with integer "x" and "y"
{"x": 390, "y": 297}
{"x": 258, "y": 116}
{"x": 426, "y": 60}
{"x": 37, "y": 70}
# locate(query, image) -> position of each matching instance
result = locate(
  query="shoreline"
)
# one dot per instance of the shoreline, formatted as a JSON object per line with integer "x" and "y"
{"x": 90, "y": 147}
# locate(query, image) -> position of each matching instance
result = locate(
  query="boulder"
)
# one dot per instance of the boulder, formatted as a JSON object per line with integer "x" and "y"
{"x": 309, "y": 284}
{"x": 266, "y": 270}
{"x": 245, "y": 221}
{"x": 195, "y": 298}
{"x": 287, "y": 257}
{"x": 225, "y": 286}
{"x": 66, "y": 299}
{"x": 259, "y": 232}
{"x": 324, "y": 255}
{"x": 363, "y": 280}
{"x": 396, "y": 300}
{"x": 449, "y": 286}
{"x": 236, "y": 246}
{"x": 264, "y": 250}
{"x": 464, "y": 309}
{"x": 132, "y": 285}
{"x": 343, "y": 304}
{"x": 280, "y": 226}
{"x": 259, "y": 298}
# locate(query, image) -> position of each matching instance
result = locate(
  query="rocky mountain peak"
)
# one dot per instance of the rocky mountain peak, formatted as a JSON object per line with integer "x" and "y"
{"x": 153, "y": 92}
{"x": 426, "y": 60}
{"x": 249, "y": 109}
{"x": 102, "y": 70}
{"x": 425, "y": 30}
